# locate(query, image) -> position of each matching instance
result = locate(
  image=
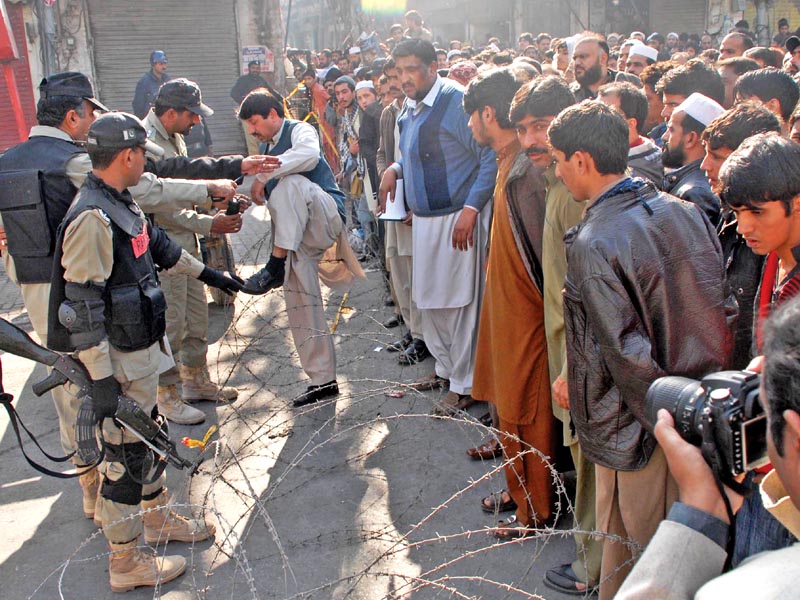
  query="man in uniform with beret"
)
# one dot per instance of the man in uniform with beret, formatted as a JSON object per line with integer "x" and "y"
{"x": 147, "y": 87}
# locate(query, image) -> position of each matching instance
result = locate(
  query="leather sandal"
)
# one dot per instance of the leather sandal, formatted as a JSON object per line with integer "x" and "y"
{"x": 511, "y": 529}
{"x": 496, "y": 504}
{"x": 486, "y": 451}
{"x": 565, "y": 580}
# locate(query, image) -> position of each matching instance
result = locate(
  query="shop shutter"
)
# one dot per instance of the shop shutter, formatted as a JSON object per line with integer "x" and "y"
{"x": 678, "y": 16}
{"x": 199, "y": 38}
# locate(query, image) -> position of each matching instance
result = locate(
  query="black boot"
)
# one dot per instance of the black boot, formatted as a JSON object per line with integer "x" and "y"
{"x": 268, "y": 278}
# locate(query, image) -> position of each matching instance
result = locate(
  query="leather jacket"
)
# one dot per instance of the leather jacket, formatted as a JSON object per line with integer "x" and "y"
{"x": 690, "y": 183}
{"x": 644, "y": 298}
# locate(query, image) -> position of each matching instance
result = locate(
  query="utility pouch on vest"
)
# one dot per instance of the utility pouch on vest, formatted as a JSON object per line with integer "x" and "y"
{"x": 137, "y": 315}
{"x": 24, "y": 214}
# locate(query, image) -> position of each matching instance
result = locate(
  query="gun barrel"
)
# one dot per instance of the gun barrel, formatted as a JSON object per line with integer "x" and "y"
{"x": 15, "y": 341}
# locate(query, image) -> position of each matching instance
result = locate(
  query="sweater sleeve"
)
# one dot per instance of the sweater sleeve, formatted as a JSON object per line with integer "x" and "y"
{"x": 483, "y": 187}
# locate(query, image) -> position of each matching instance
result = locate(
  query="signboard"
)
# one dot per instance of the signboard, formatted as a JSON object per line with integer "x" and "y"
{"x": 260, "y": 53}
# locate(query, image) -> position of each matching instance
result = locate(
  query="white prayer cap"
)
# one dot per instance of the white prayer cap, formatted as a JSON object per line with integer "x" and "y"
{"x": 355, "y": 50}
{"x": 701, "y": 108}
{"x": 672, "y": 34}
{"x": 493, "y": 47}
{"x": 364, "y": 84}
{"x": 632, "y": 42}
{"x": 453, "y": 53}
{"x": 646, "y": 51}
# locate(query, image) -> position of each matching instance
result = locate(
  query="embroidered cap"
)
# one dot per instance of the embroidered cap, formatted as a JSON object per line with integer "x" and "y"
{"x": 118, "y": 130}
{"x": 701, "y": 108}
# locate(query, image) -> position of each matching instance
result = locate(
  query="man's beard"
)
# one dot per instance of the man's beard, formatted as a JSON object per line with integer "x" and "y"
{"x": 591, "y": 75}
{"x": 673, "y": 158}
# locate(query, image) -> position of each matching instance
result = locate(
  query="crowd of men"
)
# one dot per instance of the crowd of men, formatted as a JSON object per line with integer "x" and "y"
{"x": 580, "y": 216}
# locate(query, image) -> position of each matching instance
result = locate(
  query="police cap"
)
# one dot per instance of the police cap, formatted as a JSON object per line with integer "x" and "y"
{"x": 72, "y": 84}
{"x": 117, "y": 130}
{"x": 182, "y": 93}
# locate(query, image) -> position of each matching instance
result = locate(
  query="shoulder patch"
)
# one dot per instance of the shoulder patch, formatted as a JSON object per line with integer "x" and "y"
{"x": 104, "y": 215}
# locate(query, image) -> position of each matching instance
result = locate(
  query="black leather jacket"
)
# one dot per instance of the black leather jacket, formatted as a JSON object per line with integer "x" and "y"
{"x": 690, "y": 183}
{"x": 644, "y": 298}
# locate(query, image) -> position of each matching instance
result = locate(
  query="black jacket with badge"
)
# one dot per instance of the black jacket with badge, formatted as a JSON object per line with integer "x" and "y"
{"x": 129, "y": 309}
{"x": 644, "y": 297}
{"x": 690, "y": 183}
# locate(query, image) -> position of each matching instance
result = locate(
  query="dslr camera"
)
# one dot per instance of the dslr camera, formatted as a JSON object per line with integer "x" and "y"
{"x": 721, "y": 414}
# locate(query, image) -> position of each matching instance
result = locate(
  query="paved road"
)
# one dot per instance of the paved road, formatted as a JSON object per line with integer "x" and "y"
{"x": 363, "y": 497}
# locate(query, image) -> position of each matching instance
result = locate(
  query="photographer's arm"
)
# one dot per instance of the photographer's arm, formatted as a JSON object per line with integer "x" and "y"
{"x": 688, "y": 549}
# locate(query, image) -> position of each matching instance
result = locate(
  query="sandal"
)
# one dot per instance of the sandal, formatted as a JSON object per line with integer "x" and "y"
{"x": 565, "y": 580}
{"x": 486, "y": 451}
{"x": 511, "y": 529}
{"x": 452, "y": 404}
{"x": 496, "y": 504}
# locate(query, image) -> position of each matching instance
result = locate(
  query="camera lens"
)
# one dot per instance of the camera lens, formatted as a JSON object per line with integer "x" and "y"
{"x": 683, "y": 398}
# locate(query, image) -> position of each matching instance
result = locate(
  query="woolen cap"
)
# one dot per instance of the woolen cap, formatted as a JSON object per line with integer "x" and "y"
{"x": 117, "y": 130}
{"x": 182, "y": 93}
{"x": 71, "y": 84}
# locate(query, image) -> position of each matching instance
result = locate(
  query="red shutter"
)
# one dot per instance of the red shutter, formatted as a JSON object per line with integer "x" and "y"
{"x": 8, "y": 131}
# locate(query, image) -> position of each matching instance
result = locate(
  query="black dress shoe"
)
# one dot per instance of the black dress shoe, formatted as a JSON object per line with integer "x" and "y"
{"x": 315, "y": 393}
{"x": 400, "y": 344}
{"x": 416, "y": 352}
{"x": 393, "y": 321}
{"x": 263, "y": 281}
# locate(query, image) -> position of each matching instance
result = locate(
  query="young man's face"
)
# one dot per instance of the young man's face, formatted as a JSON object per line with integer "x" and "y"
{"x": 159, "y": 68}
{"x": 308, "y": 81}
{"x": 344, "y": 95}
{"x": 365, "y": 97}
{"x": 671, "y": 102}
{"x": 766, "y": 228}
{"x": 569, "y": 173}
{"x": 654, "y": 105}
{"x": 479, "y": 130}
{"x": 712, "y": 163}
{"x": 636, "y": 64}
{"x": 532, "y": 136}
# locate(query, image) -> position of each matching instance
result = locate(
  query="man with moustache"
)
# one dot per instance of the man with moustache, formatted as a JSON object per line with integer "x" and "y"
{"x": 590, "y": 58}
{"x": 683, "y": 152}
{"x": 534, "y": 107}
{"x": 307, "y": 212}
{"x": 511, "y": 368}
{"x": 448, "y": 182}
{"x": 178, "y": 107}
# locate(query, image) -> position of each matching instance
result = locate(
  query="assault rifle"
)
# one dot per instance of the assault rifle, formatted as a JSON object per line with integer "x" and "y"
{"x": 129, "y": 415}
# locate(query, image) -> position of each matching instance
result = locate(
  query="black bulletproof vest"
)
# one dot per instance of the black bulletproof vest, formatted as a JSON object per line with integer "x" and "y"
{"x": 135, "y": 306}
{"x": 35, "y": 194}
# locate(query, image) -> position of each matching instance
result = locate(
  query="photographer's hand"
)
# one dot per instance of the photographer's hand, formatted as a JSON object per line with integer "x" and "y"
{"x": 695, "y": 480}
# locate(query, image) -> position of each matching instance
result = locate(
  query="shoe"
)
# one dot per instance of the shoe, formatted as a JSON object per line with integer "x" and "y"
{"x": 393, "y": 321}
{"x": 400, "y": 344}
{"x": 496, "y": 504}
{"x": 452, "y": 404}
{"x": 565, "y": 580}
{"x": 129, "y": 567}
{"x": 264, "y": 281}
{"x": 90, "y": 486}
{"x": 176, "y": 410}
{"x": 388, "y": 301}
{"x": 196, "y": 385}
{"x": 487, "y": 451}
{"x": 162, "y": 524}
{"x": 416, "y": 352}
{"x": 315, "y": 393}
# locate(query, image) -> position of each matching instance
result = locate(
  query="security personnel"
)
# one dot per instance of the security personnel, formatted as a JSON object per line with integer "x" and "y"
{"x": 147, "y": 87}
{"x": 178, "y": 107}
{"x": 106, "y": 305}
{"x": 38, "y": 181}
